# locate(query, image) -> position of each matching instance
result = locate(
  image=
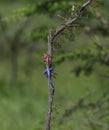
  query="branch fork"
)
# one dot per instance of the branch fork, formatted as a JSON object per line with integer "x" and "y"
{"x": 51, "y": 37}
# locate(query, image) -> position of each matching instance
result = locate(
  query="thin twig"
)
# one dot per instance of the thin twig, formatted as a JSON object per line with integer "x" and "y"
{"x": 70, "y": 21}
{"x": 51, "y": 37}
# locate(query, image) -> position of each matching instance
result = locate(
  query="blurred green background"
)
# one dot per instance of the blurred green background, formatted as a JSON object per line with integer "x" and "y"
{"x": 80, "y": 59}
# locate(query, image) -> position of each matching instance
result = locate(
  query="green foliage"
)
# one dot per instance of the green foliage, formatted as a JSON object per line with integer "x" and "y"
{"x": 82, "y": 49}
{"x": 27, "y": 11}
{"x": 39, "y": 33}
{"x": 50, "y": 7}
{"x": 88, "y": 58}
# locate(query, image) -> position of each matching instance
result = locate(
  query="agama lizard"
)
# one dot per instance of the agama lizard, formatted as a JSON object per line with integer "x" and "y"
{"x": 49, "y": 70}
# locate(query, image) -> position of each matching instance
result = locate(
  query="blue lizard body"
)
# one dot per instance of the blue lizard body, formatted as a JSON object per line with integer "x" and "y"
{"x": 47, "y": 72}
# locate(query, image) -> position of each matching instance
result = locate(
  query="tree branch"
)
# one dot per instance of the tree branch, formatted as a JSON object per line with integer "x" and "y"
{"x": 70, "y": 21}
{"x": 51, "y": 37}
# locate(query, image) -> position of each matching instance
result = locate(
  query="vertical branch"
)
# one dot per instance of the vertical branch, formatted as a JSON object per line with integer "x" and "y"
{"x": 51, "y": 87}
{"x": 50, "y": 102}
{"x": 51, "y": 37}
{"x": 50, "y": 44}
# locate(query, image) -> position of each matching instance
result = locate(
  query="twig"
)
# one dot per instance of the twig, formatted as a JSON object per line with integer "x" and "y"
{"x": 75, "y": 107}
{"x": 70, "y": 21}
{"x": 51, "y": 37}
{"x": 95, "y": 122}
{"x": 102, "y": 20}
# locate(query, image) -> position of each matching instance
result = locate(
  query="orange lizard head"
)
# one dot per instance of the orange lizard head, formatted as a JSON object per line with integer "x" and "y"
{"x": 47, "y": 59}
